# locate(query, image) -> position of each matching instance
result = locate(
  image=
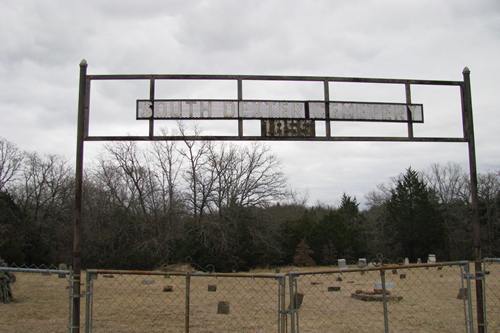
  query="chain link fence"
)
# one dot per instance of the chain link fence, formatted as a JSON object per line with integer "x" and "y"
{"x": 41, "y": 299}
{"x": 411, "y": 298}
{"x": 323, "y": 302}
{"x": 436, "y": 297}
{"x": 491, "y": 268}
{"x": 133, "y": 301}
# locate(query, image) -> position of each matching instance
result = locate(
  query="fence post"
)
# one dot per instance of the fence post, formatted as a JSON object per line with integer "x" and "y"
{"x": 280, "y": 304}
{"x": 468, "y": 302}
{"x": 282, "y": 309}
{"x": 188, "y": 301}
{"x": 297, "y": 323}
{"x": 89, "y": 297}
{"x": 70, "y": 289}
{"x": 485, "y": 310}
{"x": 291, "y": 308}
{"x": 384, "y": 301}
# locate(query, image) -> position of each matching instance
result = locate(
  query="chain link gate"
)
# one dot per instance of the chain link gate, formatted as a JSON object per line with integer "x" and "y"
{"x": 425, "y": 297}
{"x": 136, "y": 301}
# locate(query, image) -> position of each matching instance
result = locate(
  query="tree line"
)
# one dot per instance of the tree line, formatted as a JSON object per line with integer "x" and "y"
{"x": 227, "y": 207}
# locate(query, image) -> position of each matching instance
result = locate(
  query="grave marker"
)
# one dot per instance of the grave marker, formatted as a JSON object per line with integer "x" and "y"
{"x": 342, "y": 264}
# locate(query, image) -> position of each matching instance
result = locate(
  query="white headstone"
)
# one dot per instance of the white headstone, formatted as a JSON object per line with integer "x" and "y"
{"x": 361, "y": 262}
{"x": 431, "y": 259}
{"x": 407, "y": 261}
{"x": 419, "y": 261}
{"x": 342, "y": 264}
{"x": 388, "y": 285}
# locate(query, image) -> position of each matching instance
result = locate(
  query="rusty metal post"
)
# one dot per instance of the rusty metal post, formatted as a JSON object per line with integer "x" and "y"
{"x": 70, "y": 300}
{"x": 476, "y": 229}
{"x": 408, "y": 111}
{"x": 240, "y": 98}
{"x": 295, "y": 305}
{"x": 89, "y": 298}
{"x": 188, "y": 302}
{"x": 326, "y": 93}
{"x": 291, "y": 308}
{"x": 75, "y": 323}
{"x": 279, "y": 305}
{"x": 384, "y": 301}
{"x": 152, "y": 98}
{"x": 469, "y": 320}
{"x": 282, "y": 314}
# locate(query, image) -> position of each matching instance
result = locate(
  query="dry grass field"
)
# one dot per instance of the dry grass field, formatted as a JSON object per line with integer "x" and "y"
{"x": 137, "y": 303}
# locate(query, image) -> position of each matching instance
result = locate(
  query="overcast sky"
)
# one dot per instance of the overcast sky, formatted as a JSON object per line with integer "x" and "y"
{"x": 42, "y": 43}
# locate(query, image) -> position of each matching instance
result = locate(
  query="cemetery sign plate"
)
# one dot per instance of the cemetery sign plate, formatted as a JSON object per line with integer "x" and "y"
{"x": 288, "y": 128}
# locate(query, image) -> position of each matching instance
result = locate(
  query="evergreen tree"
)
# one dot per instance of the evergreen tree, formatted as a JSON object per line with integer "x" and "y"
{"x": 303, "y": 255}
{"x": 349, "y": 206}
{"x": 12, "y": 230}
{"x": 414, "y": 218}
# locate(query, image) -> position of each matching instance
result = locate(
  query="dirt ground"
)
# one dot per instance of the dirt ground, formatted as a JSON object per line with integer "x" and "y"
{"x": 137, "y": 303}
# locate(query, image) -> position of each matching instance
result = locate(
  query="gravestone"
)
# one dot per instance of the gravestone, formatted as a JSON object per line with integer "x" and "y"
{"x": 168, "y": 289}
{"x": 212, "y": 287}
{"x": 388, "y": 286}
{"x": 148, "y": 282}
{"x": 342, "y": 264}
{"x": 407, "y": 261}
{"x": 431, "y": 259}
{"x": 362, "y": 262}
{"x": 419, "y": 261}
{"x": 223, "y": 307}
{"x": 334, "y": 288}
{"x": 462, "y": 293}
{"x": 62, "y": 267}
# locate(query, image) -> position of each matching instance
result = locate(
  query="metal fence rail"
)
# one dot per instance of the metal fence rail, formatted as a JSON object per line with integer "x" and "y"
{"x": 491, "y": 298}
{"x": 412, "y": 298}
{"x": 41, "y": 301}
{"x": 133, "y": 301}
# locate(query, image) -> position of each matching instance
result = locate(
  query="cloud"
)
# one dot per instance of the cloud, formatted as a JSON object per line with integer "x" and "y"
{"x": 43, "y": 42}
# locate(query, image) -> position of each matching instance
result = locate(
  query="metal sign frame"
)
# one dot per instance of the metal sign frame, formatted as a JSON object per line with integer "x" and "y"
{"x": 236, "y": 106}
{"x": 83, "y": 136}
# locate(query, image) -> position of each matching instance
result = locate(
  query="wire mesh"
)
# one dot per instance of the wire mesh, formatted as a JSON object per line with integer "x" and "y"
{"x": 417, "y": 299}
{"x": 191, "y": 302}
{"x": 234, "y": 304}
{"x": 137, "y": 303}
{"x": 433, "y": 299}
{"x": 492, "y": 294}
{"x": 40, "y": 300}
{"x": 327, "y": 303}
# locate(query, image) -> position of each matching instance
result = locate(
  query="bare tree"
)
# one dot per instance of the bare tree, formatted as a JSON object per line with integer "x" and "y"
{"x": 125, "y": 157}
{"x": 199, "y": 178}
{"x": 169, "y": 165}
{"x": 45, "y": 183}
{"x": 489, "y": 195}
{"x": 10, "y": 162}
{"x": 224, "y": 161}
{"x": 449, "y": 182}
{"x": 260, "y": 179}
